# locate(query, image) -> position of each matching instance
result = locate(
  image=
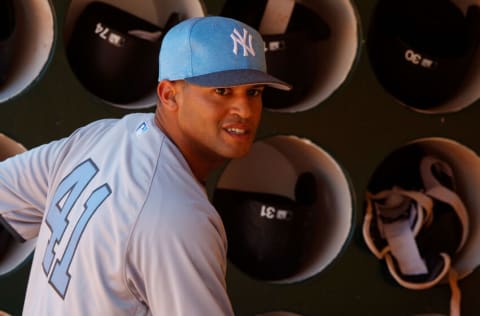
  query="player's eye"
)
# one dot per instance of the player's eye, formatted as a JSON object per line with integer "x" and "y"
{"x": 254, "y": 92}
{"x": 222, "y": 91}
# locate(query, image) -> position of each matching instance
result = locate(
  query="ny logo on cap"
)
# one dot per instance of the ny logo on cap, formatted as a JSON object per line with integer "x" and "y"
{"x": 239, "y": 39}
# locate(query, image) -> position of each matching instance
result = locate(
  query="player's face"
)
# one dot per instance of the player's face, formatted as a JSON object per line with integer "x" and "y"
{"x": 219, "y": 121}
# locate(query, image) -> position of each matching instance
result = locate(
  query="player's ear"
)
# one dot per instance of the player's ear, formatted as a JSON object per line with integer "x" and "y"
{"x": 166, "y": 91}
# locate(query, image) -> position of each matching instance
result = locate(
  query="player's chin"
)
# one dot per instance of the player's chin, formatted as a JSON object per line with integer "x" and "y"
{"x": 237, "y": 150}
{"x": 237, "y": 146}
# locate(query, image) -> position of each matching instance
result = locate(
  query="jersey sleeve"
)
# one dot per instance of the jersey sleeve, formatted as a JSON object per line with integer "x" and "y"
{"x": 177, "y": 265}
{"x": 23, "y": 189}
{"x": 25, "y": 178}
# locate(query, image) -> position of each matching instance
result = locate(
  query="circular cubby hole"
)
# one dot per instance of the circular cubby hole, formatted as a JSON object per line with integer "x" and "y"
{"x": 28, "y": 32}
{"x": 401, "y": 169}
{"x": 112, "y": 46}
{"x": 314, "y": 49}
{"x": 427, "y": 60}
{"x": 287, "y": 207}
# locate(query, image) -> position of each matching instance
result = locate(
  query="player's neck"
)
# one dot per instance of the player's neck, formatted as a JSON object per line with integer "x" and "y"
{"x": 201, "y": 163}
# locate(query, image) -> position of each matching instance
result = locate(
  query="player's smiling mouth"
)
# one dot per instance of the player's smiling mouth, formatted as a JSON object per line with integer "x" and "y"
{"x": 236, "y": 131}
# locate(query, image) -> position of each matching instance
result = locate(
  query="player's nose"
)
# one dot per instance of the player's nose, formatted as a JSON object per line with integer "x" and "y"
{"x": 243, "y": 106}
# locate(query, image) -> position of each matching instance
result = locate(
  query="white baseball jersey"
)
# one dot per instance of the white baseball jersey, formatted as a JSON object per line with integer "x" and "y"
{"x": 123, "y": 226}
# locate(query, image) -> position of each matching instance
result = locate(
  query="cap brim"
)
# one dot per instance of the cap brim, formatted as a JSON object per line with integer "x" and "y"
{"x": 238, "y": 77}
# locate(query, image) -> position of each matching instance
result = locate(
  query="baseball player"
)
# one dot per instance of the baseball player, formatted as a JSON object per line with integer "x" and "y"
{"x": 123, "y": 220}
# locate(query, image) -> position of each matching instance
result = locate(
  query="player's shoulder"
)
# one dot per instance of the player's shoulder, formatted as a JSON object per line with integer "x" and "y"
{"x": 130, "y": 120}
{"x": 180, "y": 209}
{"x": 99, "y": 129}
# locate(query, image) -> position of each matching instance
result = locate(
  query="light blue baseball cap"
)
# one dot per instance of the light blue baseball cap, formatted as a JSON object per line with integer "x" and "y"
{"x": 215, "y": 51}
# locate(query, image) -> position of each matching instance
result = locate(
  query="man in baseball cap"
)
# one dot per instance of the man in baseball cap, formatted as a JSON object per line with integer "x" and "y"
{"x": 212, "y": 72}
{"x": 120, "y": 207}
